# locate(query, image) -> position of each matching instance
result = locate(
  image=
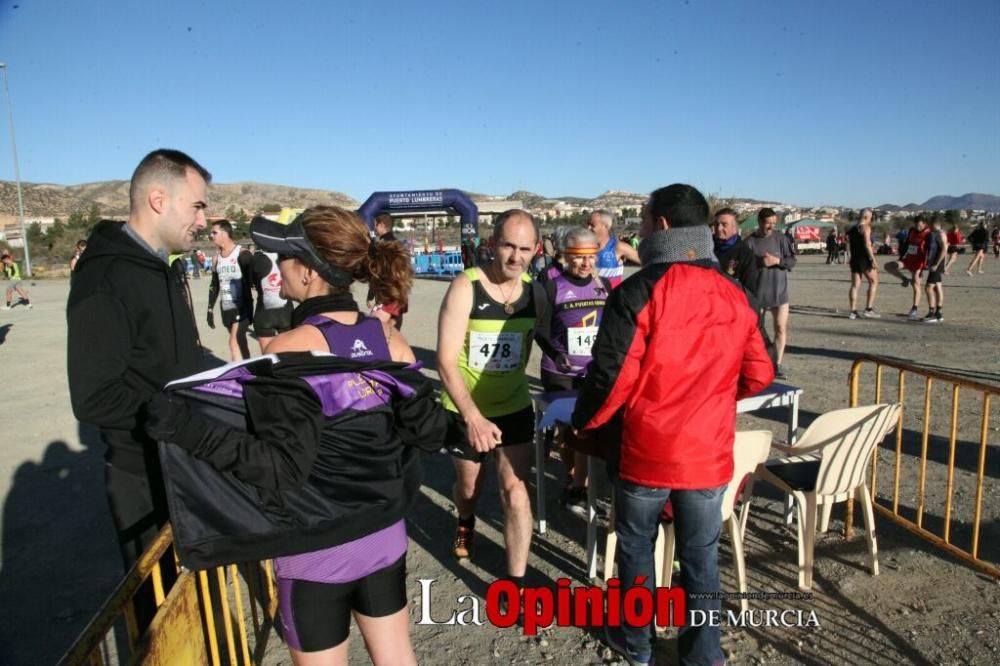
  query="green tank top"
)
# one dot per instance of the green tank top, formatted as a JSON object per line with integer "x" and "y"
{"x": 495, "y": 354}
{"x": 12, "y": 271}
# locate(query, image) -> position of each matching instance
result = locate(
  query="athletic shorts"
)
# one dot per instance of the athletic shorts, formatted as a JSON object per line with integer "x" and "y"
{"x": 861, "y": 264}
{"x": 230, "y": 317}
{"x": 269, "y": 323}
{"x": 979, "y": 247}
{"x": 16, "y": 285}
{"x": 933, "y": 277}
{"x": 317, "y": 616}
{"x": 552, "y": 381}
{"x": 952, "y": 249}
{"x": 517, "y": 428}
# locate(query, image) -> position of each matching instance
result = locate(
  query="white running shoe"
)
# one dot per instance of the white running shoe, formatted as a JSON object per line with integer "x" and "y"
{"x": 853, "y": 315}
{"x": 913, "y": 314}
{"x": 871, "y": 314}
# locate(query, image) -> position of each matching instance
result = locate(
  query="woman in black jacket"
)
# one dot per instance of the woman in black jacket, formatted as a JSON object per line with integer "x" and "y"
{"x": 328, "y": 452}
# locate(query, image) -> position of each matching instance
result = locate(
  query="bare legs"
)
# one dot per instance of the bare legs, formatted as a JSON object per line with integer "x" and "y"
{"x": 513, "y": 465}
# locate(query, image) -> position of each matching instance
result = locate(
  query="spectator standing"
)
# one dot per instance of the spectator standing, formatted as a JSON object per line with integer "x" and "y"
{"x": 775, "y": 258}
{"x": 130, "y": 332}
{"x": 678, "y": 426}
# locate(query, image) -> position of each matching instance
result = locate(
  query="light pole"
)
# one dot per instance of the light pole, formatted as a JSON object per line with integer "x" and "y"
{"x": 17, "y": 174}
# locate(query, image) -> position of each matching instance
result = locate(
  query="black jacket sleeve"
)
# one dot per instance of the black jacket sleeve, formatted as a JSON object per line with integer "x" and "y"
{"x": 420, "y": 420}
{"x": 213, "y": 287}
{"x": 286, "y": 418}
{"x": 614, "y": 347}
{"x": 99, "y": 343}
{"x": 747, "y": 271}
{"x": 544, "y": 299}
{"x": 245, "y": 260}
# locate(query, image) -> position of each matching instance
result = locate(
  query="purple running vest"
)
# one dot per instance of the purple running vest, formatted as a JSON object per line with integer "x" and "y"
{"x": 576, "y": 314}
{"x": 354, "y": 559}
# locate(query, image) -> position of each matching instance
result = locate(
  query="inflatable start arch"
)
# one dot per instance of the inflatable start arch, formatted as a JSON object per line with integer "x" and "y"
{"x": 424, "y": 200}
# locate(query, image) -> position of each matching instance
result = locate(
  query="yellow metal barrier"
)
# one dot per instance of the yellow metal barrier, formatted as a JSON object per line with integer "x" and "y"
{"x": 189, "y": 611}
{"x": 916, "y": 525}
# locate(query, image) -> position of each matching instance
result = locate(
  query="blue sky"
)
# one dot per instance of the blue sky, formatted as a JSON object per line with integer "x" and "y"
{"x": 852, "y": 103}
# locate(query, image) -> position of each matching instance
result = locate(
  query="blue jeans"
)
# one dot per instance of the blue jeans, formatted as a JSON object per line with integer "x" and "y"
{"x": 697, "y": 525}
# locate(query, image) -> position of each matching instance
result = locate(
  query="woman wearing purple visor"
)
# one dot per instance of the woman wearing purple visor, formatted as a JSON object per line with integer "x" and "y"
{"x": 345, "y": 435}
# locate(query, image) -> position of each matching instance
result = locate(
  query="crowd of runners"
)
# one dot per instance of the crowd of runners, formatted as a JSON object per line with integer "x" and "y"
{"x": 332, "y": 428}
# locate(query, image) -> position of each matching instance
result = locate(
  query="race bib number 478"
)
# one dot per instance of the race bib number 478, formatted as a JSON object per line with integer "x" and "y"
{"x": 499, "y": 352}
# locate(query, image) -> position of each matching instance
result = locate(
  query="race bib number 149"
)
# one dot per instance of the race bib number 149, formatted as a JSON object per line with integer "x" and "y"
{"x": 499, "y": 352}
{"x": 579, "y": 340}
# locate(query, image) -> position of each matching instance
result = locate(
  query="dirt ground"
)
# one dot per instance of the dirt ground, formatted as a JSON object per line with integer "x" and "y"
{"x": 58, "y": 559}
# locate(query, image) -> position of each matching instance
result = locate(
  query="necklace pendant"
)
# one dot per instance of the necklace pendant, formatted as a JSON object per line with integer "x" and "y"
{"x": 508, "y": 308}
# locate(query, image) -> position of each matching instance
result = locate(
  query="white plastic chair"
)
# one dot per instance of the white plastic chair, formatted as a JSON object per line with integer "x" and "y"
{"x": 750, "y": 449}
{"x": 828, "y": 465}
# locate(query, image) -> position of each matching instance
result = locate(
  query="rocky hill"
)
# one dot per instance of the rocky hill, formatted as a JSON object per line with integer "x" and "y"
{"x": 111, "y": 198}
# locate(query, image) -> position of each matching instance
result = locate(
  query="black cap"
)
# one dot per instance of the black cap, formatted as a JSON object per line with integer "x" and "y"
{"x": 291, "y": 240}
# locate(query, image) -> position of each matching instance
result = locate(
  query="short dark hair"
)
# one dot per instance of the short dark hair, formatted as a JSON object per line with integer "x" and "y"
{"x": 163, "y": 163}
{"x": 920, "y": 218}
{"x": 384, "y": 218}
{"x": 725, "y": 211}
{"x": 508, "y": 215}
{"x": 225, "y": 226}
{"x": 765, "y": 213}
{"x": 681, "y": 205}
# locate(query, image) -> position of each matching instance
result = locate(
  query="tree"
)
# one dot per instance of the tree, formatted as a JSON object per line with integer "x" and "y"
{"x": 55, "y": 232}
{"x": 35, "y": 235}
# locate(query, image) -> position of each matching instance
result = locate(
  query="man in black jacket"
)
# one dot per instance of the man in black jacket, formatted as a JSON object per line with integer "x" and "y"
{"x": 131, "y": 331}
{"x": 736, "y": 259}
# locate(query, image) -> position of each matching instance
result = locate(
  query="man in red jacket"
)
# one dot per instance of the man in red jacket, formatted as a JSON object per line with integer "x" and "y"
{"x": 677, "y": 347}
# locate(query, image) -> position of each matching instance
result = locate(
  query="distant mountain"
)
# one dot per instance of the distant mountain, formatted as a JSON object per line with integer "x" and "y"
{"x": 970, "y": 201}
{"x": 111, "y": 198}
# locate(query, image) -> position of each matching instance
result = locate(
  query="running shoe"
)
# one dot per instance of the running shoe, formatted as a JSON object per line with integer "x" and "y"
{"x": 6, "y": 307}
{"x": 853, "y": 315}
{"x": 969, "y": 273}
{"x": 871, "y": 314}
{"x": 938, "y": 317}
{"x": 575, "y": 501}
{"x": 906, "y": 282}
{"x": 913, "y": 314}
{"x": 779, "y": 373}
{"x": 931, "y": 318}
{"x": 462, "y": 547}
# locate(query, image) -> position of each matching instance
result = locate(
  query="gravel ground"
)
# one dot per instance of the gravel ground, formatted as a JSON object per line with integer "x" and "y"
{"x": 58, "y": 558}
